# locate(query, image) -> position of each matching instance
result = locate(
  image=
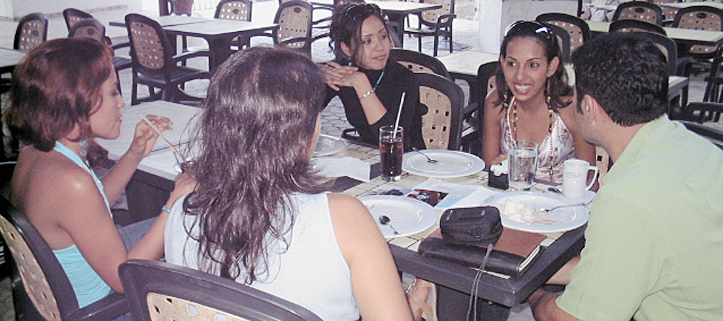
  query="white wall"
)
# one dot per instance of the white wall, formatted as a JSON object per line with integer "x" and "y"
{"x": 496, "y": 15}
{"x": 15, "y": 9}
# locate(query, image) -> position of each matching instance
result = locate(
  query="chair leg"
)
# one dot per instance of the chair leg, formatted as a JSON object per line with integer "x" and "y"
{"x": 436, "y": 45}
{"x": 134, "y": 89}
{"x": 451, "y": 43}
{"x": 419, "y": 37}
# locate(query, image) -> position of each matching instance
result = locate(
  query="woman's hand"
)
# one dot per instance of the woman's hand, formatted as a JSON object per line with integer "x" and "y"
{"x": 336, "y": 75}
{"x": 145, "y": 137}
{"x": 185, "y": 183}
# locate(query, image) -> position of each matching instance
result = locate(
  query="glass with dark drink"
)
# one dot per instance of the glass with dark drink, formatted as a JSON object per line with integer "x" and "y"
{"x": 391, "y": 147}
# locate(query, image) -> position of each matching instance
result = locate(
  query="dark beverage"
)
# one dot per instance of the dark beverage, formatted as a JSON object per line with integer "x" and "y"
{"x": 391, "y": 153}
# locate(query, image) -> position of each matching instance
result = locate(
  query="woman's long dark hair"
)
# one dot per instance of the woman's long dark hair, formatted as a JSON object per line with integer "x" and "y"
{"x": 543, "y": 35}
{"x": 255, "y": 131}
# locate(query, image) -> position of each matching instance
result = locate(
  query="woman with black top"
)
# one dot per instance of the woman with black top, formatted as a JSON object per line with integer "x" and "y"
{"x": 369, "y": 84}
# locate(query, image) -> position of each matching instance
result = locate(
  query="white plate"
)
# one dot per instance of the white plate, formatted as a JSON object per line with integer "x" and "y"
{"x": 408, "y": 216}
{"x": 327, "y": 145}
{"x": 563, "y": 219}
{"x": 449, "y": 163}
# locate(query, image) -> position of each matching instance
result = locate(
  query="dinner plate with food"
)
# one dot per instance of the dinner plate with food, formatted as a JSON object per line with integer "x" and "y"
{"x": 539, "y": 212}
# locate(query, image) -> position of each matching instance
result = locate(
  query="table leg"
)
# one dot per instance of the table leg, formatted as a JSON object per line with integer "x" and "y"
{"x": 396, "y": 23}
{"x": 220, "y": 50}
{"x": 453, "y": 305}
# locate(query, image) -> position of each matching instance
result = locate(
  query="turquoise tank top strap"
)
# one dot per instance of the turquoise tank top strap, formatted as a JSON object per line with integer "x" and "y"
{"x": 67, "y": 152}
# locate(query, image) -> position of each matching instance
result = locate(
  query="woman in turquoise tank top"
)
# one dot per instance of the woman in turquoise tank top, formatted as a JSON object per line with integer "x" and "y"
{"x": 65, "y": 94}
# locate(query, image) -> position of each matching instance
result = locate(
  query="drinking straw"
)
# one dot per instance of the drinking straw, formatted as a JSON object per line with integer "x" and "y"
{"x": 399, "y": 114}
{"x": 155, "y": 129}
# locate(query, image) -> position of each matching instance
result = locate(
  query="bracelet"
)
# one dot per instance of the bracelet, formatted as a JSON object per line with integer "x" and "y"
{"x": 367, "y": 94}
{"x": 166, "y": 209}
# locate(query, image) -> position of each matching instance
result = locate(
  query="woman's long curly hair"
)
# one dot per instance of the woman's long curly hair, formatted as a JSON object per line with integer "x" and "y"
{"x": 255, "y": 133}
{"x": 558, "y": 85}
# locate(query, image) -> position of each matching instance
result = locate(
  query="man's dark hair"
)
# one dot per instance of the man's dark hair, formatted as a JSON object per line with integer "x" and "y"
{"x": 626, "y": 74}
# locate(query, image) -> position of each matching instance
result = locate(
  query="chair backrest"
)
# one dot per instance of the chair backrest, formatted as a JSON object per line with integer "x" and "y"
{"x": 430, "y": 17}
{"x": 180, "y": 7}
{"x": 294, "y": 18}
{"x": 563, "y": 40}
{"x": 419, "y": 62}
{"x": 234, "y": 10}
{"x": 150, "y": 48}
{"x": 72, "y": 16}
{"x": 628, "y": 25}
{"x": 88, "y": 28}
{"x": 39, "y": 270}
{"x": 668, "y": 12}
{"x": 639, "y": 10}
{"x": 161, "y": 291}
{"x": 32, "y": 30}
{"x": 444, "y": 100}
{"x": 577, "y": 28}
{"x": 667, "y": 46}
{"x": 486, "y": 82}
{"x": 700, "y": 18}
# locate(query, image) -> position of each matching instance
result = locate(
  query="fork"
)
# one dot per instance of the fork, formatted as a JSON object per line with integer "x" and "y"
{"x": 544, "y": 210}
{"x": 429, "y": 160}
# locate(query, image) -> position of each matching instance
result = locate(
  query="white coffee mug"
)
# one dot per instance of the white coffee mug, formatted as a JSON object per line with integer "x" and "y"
{"x": 574, "y": 177}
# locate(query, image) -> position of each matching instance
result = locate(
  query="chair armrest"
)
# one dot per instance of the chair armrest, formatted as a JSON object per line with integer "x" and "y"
{"x": 289, "y": 41}
{"x": 190, "y": 54}
{"x": 107, "y": 308}
{"x": 445, "y": 20}
{"x": 121, "y": 45}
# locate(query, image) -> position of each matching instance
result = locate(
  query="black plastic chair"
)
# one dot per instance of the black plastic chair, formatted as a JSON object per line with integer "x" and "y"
{"x": 419, "y": 62}
{"x": 72, "y": 16}
{"x": 474, "y": 112}
{"x": 155, "y": 66}
{"x": 436, "y": 23}
{"x": 43, "y": 289}
{"x": 235, "y": 10}
{"x": 628, "y": 25}
{"x": 444, "y": 101}
{"x": 702, "y": 111}
{"x": 639, "y": 10}
{"x": 577, "y": 28}
{"x": 295, "y": 27}
{"x": 32, "y": 30}
{"x": 699, "y": 18}
{"x": 159, "y": 291}
{"x": 563, "y": 40}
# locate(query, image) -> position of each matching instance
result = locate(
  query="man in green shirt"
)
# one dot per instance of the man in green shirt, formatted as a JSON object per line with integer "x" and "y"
{"x": 654, "y": 242}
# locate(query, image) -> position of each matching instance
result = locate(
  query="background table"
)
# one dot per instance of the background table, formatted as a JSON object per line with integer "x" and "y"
{"x": 680, "y": 35}
{"x": 9, "y": 58}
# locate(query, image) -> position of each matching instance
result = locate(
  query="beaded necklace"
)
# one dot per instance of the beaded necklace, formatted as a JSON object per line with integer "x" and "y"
{"x": 551, "y": 121}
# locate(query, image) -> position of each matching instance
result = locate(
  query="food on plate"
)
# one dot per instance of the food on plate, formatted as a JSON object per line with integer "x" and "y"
{"x": 519, "y": 212}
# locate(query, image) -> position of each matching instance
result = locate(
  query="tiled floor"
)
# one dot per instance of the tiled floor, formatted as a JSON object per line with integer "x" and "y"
{"x": 334, "y": 120}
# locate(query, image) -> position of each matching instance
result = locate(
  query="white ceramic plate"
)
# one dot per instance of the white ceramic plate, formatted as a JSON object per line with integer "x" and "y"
{"x": 588, "y": 197}
{"x": 327, "y": 145}
{"x": 560, "y": 220}
{"x": 449, "y": 163}
{"x": 408, "y": 216}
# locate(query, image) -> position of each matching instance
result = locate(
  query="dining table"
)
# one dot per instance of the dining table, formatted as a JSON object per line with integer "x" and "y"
{"x": 681, "y": 5}
{"x": 496, "y": 294}
{"x": 9, "y": 58}
{"x": 218, "y": 33}
{"x": 680, "y": 35}
{"x": 396, "y": 11}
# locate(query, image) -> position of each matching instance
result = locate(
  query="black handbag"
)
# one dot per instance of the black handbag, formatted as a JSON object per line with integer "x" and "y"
{"x": 471, "y": 226}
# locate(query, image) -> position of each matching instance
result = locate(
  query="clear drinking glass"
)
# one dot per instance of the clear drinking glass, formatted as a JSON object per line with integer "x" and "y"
{"x": 523, "y": 165}
{"x": 391, "y": 148}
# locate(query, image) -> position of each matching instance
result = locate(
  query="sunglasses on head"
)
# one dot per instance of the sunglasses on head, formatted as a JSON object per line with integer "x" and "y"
{"x": 534, "y": 26}
{"x": 355, "y": 11}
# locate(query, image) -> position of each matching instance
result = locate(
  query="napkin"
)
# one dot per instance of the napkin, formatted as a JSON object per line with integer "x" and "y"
{"x": 499, "y": 169}
{"x": 343, "y": 166}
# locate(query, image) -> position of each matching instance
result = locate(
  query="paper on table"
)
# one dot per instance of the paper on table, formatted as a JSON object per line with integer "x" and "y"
{"x": 459, "y": 195}
{"x": 343, "y": 166}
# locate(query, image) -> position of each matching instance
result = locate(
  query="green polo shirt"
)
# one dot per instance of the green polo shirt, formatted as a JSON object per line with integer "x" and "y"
{"x": 654, "y": 242}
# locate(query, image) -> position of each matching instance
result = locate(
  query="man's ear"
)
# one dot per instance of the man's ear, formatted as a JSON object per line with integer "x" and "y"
{"x": 591, "y": 109}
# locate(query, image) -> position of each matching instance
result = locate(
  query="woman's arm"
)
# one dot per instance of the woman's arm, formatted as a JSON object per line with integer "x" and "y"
{"x": 491, "y": 131}
{"x": 375, "y": 280}
{"x": 114, "y": 183}
{"x": 336, "y": 76}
